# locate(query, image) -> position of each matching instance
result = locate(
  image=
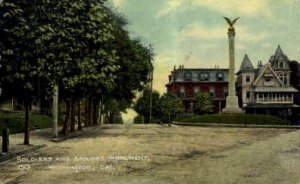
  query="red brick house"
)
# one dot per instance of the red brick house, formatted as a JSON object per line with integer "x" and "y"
{"x": 187, "y": 82}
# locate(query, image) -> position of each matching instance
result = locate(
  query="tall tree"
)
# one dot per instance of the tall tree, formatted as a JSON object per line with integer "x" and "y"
{"x": 142, "y": 105}
{"x": 295, "y": 78}
{"x": 81, "y": 46}
{"x": 18, "y": 64}
{"x": 295, "y": 74}
{"x": 170, "y": 107}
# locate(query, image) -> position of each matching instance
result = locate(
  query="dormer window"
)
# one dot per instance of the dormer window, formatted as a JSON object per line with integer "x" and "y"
{"x": 220, "y": 77}
{"x": 188, "y": 76}
{"x": 281, "y": 64}
{"x": 204, "y": 77}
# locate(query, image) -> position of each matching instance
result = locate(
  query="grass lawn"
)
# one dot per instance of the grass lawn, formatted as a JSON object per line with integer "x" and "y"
{"x": 15, "y": 121}
{"x": 236, "y": 119}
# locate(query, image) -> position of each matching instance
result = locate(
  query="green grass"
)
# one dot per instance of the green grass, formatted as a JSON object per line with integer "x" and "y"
{"x": 235, "y": 119}
{"x": 15, "y": 121}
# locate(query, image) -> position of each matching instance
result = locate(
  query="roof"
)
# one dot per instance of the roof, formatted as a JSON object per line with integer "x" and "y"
{"x": 275, "y": 89}
{"x": 279, "y": 56}
{"x": 263, "y": 70}
{"x": 278, "y": 52}
{"x": 246, "y": 64}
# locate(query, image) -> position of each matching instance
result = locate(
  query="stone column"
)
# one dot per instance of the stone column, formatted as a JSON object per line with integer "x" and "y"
{"x": 232, "y": 105}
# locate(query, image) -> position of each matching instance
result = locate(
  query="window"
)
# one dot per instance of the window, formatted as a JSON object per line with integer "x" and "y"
{"x": 225, "y": 91}
{"x": 260, "y": 97}
{"x": 188, "y": 76}
{"x": 268, "y": 79}
{"x": 285, "y": 79}
{"x": 281, "y": 64}
{"x": 220, "y": 77}
{"x": 212, "y": 92}
{"x": 182, "y": 92}
{"x": 196, "y": 90}
{"x": 247, "y": 78}
{"x": 204, "y": 77}
{"x": 248, "y": 94}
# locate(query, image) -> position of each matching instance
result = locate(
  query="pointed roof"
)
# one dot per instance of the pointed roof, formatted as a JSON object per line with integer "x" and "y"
{"x": 246, "y": 64}
{"x": 278, "y": 52}
{"x": 263, "y": 70}
{"x": 279, "y": 56}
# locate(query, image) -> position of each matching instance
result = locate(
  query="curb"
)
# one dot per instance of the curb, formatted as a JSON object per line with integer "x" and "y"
{"x": 9, "y": 156}
{"x": 235, "y": 125}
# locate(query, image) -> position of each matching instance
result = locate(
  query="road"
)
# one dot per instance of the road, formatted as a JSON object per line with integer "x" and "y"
{"x": 172, "y": 155}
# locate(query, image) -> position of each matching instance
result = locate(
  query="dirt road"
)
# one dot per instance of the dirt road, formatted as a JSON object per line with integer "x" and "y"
{"x": 154, "y": 154}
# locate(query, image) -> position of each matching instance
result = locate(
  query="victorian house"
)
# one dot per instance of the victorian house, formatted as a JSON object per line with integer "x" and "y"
{"x": 266, "y": 88}
{"x": 187, "y": 82}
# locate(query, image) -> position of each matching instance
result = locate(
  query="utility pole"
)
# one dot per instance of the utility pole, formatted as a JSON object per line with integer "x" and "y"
{"x": 151, "y": 86}
{"x": 55, "y": 109}
{"x": 150, "y": 103}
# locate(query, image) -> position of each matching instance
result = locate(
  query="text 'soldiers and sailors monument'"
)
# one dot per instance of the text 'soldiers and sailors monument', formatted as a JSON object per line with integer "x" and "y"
{"x": 232, "y": 105}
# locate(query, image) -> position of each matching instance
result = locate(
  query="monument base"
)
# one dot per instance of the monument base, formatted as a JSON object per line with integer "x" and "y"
{"x": 232, "y": 105}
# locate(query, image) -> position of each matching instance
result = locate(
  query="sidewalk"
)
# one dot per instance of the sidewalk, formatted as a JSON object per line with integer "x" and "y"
{"x": 235, "y": 125}
{"x": 39, "y": 139}
{"x": 18, "y": 150}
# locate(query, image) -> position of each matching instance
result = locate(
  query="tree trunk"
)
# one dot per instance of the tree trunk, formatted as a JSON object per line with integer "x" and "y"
{"x": 99, "y": 113}
{"x": 72, "y": 125}
{"x": 85, "y": 112}
{"x": 88, "y": 113}
{"x": 104, "y": 118}
{"x": 95, "y": 112}
{"x": 107, "y": 118}
{"x": 79, "y": 115}
{"x": 65, "y": 128}
{"x": 27, "y": 123}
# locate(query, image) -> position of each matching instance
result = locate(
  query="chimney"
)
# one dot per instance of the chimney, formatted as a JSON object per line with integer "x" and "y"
{"x": 259, "y": 64}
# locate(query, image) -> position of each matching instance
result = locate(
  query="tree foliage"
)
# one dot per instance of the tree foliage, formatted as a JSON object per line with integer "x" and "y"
{"x": 80, "y": 45}
{"x": 295, "y": 74}
{"x": 170, "y": 106}
{"x": 203, "y": 104}
{"x": 142, "y": 105}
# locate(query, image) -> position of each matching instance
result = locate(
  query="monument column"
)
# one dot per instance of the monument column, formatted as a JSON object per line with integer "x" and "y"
{"x": 232, "y": 105}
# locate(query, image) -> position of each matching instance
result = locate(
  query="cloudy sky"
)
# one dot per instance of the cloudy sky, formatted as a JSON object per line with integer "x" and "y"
{"x": 193, "y": 32}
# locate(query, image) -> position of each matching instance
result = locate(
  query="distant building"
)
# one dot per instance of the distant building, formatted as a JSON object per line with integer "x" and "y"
{"x": 266, "y": 88}
{"x": 187, "y": 82}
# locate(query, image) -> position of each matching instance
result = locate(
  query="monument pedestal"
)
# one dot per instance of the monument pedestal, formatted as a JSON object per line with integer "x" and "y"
{"x": 232, "y": 105}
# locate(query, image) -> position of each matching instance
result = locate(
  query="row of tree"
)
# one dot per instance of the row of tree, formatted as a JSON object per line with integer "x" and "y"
{"x": 80, "y": 46}
{"x": 167, "y": 107}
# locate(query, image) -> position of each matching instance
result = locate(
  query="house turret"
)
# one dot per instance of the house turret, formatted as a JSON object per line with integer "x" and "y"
{"x": 245, "y": 78}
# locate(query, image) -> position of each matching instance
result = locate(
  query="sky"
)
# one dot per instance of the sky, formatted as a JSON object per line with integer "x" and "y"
{"x": 193, "y": 33}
